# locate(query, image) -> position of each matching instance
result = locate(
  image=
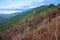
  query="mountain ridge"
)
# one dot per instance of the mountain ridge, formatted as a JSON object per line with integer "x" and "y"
{"x": 38, "y": 23}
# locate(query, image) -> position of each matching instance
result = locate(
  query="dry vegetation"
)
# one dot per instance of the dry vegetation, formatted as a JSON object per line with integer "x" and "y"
{"x": 42, "y": 27}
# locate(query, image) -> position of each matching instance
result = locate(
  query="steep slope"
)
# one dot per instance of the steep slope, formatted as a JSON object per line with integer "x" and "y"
{"x": 20, "y": 17}
{"x": 39, "y": 25}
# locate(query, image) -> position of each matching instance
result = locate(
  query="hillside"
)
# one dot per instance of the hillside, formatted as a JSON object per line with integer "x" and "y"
{"x": 41, "y": 23}
{"x": 24, "y": 16}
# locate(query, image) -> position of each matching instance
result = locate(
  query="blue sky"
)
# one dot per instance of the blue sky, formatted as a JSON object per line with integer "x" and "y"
{"x": 10, "y": 6}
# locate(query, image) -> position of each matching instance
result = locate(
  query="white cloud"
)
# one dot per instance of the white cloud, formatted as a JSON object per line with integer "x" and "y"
{"x": 8, "y": 12}
{"x": 15, "y": 6}
{"x": 23, "y": 3}
{"x": 29, "y": 3}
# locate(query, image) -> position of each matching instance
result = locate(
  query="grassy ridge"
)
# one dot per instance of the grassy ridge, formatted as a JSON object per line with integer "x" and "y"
{"x": 42, "y": 10}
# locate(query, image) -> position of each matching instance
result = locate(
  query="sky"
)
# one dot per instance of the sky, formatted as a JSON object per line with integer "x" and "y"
{"x": 12, "y": 6}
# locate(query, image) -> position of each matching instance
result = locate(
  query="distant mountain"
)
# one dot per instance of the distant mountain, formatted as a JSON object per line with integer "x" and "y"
{"x": 2, "y": 14}
{"x": 24, "y": 8}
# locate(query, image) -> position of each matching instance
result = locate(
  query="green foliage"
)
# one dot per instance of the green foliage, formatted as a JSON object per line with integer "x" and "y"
{"x": 20, "y": 17}
{"x": 51, "y": 5}
{"x": 58, "y": 5}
